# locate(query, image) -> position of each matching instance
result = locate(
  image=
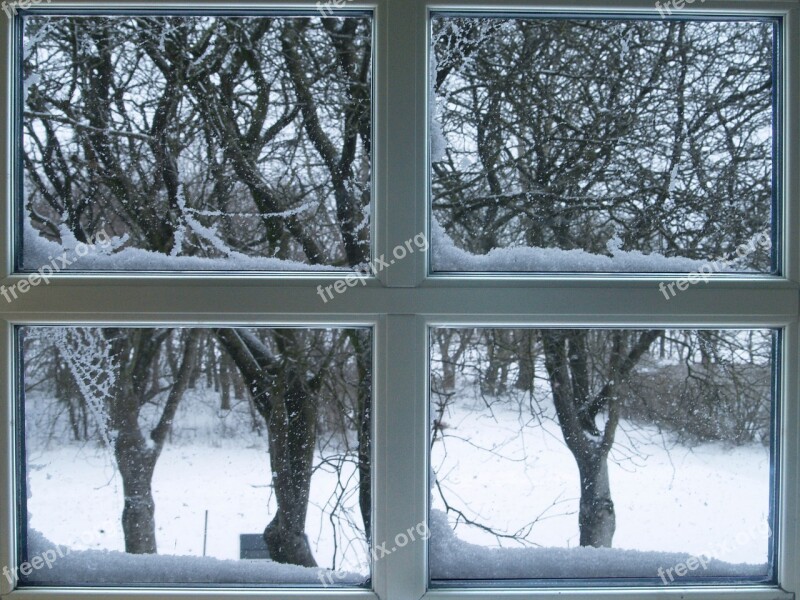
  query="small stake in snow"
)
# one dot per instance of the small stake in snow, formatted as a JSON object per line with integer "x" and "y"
{"x": 205, "y": 533}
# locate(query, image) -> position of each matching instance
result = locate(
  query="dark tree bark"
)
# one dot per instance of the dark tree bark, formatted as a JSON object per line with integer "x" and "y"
{"x": 225, "y": 386}
{"x": 285, "y": 399}
{"x": 450, "y": 358}
{"x": 526, "y": 358}
{"x": 136, "y": 457}
{"x": 568, "y": 360}
{"x": 292, "y": 427}
{"x": 363, "y": 350}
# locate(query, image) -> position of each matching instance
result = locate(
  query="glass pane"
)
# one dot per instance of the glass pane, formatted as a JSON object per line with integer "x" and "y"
{"x": 593, "y": 454}
{"x": 164, "y": 143}
{"x": 195, "y": 456}
{"x": 599, "y": 145}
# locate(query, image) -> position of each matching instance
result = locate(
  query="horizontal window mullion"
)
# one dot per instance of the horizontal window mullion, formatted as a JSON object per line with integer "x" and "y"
{"x": 717, "y": 593}
{"x": 240, "y": 300}
{"x": 185, "y": 594}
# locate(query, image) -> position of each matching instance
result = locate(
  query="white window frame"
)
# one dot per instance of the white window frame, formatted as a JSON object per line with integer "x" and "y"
{"x": 406, "y": 301}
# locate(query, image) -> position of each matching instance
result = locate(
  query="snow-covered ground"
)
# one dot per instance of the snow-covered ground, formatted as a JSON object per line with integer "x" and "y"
{"x": 709, "y": 500}
{"x": 77, "y": 499}
{"x": 218, "y": 464}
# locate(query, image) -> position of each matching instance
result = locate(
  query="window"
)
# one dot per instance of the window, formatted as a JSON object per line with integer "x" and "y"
{"x": 602, "y": 145}
{"x": 421, "y": 299}
{"x": 129, "y": 417}
{"x": 185, "y": 142}
{"x": 631, "y": 444}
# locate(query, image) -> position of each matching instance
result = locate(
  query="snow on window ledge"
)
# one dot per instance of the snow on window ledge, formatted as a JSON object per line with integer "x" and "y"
{"x": 454, "y": 559}
{"x": 111, "y": 568}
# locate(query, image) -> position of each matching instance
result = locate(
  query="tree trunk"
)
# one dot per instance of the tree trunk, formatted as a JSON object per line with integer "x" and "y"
{"x": 135, "y": 462}
{"x": 526, "y": 356}
{"x": 596, "y": 519}
{"x": 284, "y": 399}
{"x": 292, "y": 431}
{"x": 233, "y": 377}
{"x": 225, "y": 386}
{"x": 444, "y": 337}
{"x": 135, "y": 457}
{"x": 363, "y": 350}
{"x": 212, "y": 377}
{"x": 568, "y": 365}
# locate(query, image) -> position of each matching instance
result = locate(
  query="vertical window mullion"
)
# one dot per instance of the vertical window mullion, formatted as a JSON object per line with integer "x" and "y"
{"x": 789, "y": 449}
{"x": 401, "y": 482}
{"x": 401, "y": 156}
{"x": 7, "y": 479}
{"x": 791, "y": 143}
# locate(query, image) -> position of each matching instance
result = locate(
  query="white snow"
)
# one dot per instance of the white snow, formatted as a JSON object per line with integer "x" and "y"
{"x": 438, "y": 140}
{"x": 103, "y": 567}
{"x": 39, "y": 252}
{"x": 673, "y": 178}
{"x": 214, "y": 462}
{"x": 671, "y": 502}
{"x": 452, "y": 558}
{"x": 447, "y": 257}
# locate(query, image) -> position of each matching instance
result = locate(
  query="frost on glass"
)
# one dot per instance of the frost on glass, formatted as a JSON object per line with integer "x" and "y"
{"x": 150, "y": 453}
{"x": 196, "y": 143}
{"x": 595, "y": 454}
{"x": 589, "y": 145}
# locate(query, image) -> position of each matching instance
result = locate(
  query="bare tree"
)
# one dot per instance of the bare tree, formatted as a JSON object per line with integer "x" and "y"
{"x": 185, "y": 129}
{"x": 554, "y": 144}
{"x": 569, "y": 364}
{"x": 112, "y": 368}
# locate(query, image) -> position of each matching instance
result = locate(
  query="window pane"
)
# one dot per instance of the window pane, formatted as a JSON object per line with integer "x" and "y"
{"x": 592, "y": 145}
{"x": 585, "y": 454}
{"x": 196, "y": 143}
{"x": 164, "y": 456}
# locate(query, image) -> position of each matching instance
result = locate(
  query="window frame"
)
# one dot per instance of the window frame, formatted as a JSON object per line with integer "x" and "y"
{"x": 405, "y": 301}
